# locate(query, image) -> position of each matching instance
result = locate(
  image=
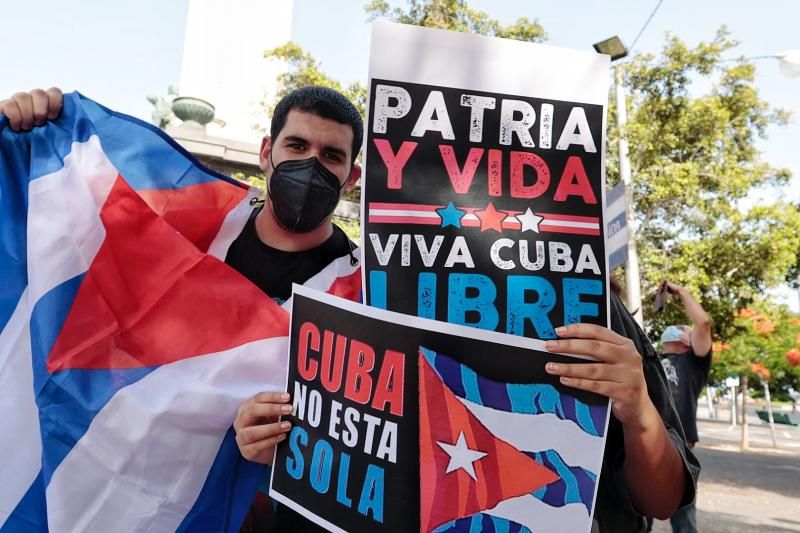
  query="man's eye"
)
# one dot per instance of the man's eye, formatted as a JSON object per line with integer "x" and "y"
{"x": 333, "y": 156}
{"x": 296, "y": 146}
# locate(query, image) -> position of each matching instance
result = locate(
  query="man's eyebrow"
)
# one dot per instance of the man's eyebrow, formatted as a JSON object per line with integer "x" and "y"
{"x": 329, "y": 148}
{"x": 337, "y": 151}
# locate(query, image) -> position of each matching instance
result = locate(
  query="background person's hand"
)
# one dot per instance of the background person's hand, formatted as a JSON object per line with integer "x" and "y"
{"x": 26, "y": 110}
{"x": 257, "y": 427}
{"x": 618, "y": 373}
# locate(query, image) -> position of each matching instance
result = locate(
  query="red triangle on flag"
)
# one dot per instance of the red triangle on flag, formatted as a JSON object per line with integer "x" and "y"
{"x": 464, "y": 468}
{"x": 151, "y": 297}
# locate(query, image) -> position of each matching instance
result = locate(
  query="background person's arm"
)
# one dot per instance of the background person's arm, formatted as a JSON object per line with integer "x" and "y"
{"x": 701, "y": 323}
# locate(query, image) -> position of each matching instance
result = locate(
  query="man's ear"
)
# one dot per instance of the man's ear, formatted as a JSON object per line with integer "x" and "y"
{"x": 355, "y": 175}
{"x": 263, "y": 154}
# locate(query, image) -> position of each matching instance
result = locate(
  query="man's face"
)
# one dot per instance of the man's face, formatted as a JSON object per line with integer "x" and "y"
{"x": 306, "y": 135}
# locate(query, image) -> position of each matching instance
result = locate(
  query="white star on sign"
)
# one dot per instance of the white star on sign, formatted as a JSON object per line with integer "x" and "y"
{"x": 461, "y": 456}
{"x": 530, "y": 221}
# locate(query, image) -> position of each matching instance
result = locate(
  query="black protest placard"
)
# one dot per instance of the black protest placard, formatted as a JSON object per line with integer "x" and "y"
{"x": 406, "y": 424}
{"x": 484, "y": 209}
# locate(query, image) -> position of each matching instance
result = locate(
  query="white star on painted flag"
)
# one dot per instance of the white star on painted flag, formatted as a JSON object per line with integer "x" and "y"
{"x": 530, "y": 221}
{"x": 461, "y": 456}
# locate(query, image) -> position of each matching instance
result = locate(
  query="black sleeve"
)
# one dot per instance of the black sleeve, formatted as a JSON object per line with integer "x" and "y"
{"x": 622, "y": 322}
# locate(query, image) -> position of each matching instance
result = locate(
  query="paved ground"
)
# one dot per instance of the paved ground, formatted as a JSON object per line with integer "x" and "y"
{"x": 754, "y": 491}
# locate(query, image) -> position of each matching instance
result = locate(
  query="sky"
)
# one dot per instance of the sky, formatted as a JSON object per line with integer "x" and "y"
{"x": 119, "y": 51}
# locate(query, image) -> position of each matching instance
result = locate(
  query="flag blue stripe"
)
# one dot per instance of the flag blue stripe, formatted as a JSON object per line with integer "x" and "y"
{"x": 218, "y": 508}
{"x": 30, "y": 514}
{"x": 13, "y": 206}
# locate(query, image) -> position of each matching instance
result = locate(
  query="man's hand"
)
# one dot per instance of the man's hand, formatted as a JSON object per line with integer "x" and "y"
{"x": 257, "y": 427}
{"x": 26, "y": 110}
{"x": 618, "y": 374}
{"x": 701, "y": 323}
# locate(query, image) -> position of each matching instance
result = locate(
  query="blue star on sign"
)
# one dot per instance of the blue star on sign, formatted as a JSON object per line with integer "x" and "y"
{"x": 451, "y": 215}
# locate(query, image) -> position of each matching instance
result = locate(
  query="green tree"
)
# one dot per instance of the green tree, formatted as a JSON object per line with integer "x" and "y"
{"x": 304, "y": 70}
{"x": 694, "y": 162}
{"x": 763, "y": 334}
{"x": 455, "y": 15}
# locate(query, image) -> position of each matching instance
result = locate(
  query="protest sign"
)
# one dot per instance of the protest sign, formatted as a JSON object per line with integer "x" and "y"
{"x": 407, "y": 424}
{"x": 482, "y": 201}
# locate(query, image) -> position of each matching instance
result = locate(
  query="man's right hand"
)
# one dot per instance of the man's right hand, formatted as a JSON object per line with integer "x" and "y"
{"x": 26, "y": 110}
{"x": 257, "y": 427}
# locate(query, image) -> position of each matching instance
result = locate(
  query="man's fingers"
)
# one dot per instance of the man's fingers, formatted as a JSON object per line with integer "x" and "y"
{"x": 39, "y": 105}
{"x": 272, "y": 397}
{"x": 255, "y": 450}
{"x": 592, "y": 371}
{"x": 254, "y": 434}
{"x": 590, "y": 331}
{"x": 251, "y": 412}
{"x": 11, "y": 111}
{"x": 55, "y": 100}
{"x": 25, "y": 105}
{"x": 600, "y": 350}
{"x": 604, "y": 388}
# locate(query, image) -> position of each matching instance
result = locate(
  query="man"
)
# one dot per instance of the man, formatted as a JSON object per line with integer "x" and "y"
{"x": 686, "y": 358}
{"x": 309, "y": 162}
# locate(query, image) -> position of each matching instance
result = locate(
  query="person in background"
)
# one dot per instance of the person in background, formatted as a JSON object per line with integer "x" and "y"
{"x": 686, "y": 358}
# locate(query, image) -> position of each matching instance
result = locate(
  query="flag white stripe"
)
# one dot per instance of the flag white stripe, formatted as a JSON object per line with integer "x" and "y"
{"x": 542, "y": 518}
{"x": 538, "y": 433}
{"x": 63, "y": 214}
{"x": 233, "y": 224}
{"x": 20, "y": 438}
{"x": 179, "y": 413}
{"x": 322, "y": 280}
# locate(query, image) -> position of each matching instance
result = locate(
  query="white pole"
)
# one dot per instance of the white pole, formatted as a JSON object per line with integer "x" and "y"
{"x": 733, "y": 407}
{"x": 769, "y": 414}
{"x": 633, "y": 290}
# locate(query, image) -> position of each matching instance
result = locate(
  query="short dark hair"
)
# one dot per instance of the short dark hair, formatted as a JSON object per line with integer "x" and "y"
{"x": 323, "y": 102}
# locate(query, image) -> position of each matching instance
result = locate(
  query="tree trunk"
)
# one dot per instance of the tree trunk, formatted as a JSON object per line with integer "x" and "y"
{"x": 745, "y": 442}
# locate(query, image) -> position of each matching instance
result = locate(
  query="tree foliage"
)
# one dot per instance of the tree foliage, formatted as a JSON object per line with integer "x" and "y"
{"x": 455, "y": 15}
{"x": 765, "y": 334}
{"x": 694, "y": 119}
{"x": 304, "y": 70}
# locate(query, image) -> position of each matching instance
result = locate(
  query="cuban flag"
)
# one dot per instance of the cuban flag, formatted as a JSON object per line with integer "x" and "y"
{"x": 126, "y": 342}
{"x": 475, "y": 431}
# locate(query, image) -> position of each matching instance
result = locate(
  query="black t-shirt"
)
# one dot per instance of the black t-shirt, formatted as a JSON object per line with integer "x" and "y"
{"x": 273, "y": 270}
{"x": 687, "y": 374}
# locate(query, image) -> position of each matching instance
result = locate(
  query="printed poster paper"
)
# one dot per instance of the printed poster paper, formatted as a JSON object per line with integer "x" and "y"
{"x": 407, "y": 424}
{"x": 484, "y": 181}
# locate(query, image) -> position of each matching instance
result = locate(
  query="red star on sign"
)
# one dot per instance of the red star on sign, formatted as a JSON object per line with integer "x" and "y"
{"x": 491, "y": 218}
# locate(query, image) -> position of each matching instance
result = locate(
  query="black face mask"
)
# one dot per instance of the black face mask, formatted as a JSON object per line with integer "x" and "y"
{"x": 303, "y": 193}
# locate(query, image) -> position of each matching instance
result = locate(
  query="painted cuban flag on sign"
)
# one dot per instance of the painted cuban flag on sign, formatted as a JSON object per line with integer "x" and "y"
{"x": 474, "y": 432}
{"x": 126, "y": 342}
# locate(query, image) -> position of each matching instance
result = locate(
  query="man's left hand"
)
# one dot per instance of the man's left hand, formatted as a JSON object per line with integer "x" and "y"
{"x": 618, "y": 374}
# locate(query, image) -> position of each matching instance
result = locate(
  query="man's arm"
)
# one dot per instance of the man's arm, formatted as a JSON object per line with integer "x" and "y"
{"x": 701, "y": 322}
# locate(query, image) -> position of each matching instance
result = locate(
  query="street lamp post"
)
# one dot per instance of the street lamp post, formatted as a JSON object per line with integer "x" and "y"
{"x": 633, "y": 290}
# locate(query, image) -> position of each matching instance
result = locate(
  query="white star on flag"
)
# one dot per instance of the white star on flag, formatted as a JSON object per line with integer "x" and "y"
{"x": 530, "y": 221}
{"x": 461, "y": 456}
